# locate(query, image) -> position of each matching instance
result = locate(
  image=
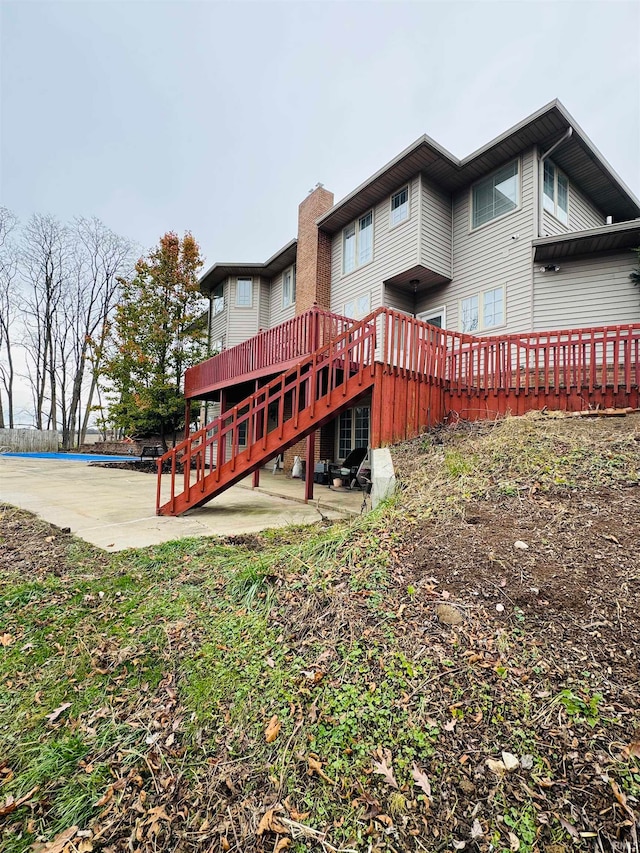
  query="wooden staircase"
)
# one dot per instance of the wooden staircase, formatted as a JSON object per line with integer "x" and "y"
{"x": 266, "y": 423}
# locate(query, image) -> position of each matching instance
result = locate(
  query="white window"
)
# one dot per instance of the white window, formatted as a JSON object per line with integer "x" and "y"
{"x": 555, "y": 193}
{"x": 358, "y": 308}
{"x": 399, "y": 206}
{"x": 496, "y": 195}
{"x": 435, "y": 316}
{"x": 482, "y": 310}
{"x": 217, "y": 299}
{"x": 217, "y": 346}
{"x": 357, "y": 243}
{"x": 289, "y": 287}
{"x": 470, "y": 314}
{"x": 353, "y": 430}
{"x": 244, "y": 292}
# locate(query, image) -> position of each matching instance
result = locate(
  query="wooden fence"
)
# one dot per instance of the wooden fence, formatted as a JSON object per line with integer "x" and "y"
{"x": 29, "y": 440}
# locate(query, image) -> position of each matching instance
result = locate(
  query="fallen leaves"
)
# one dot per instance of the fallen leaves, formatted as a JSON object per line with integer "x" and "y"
{"x": 315, "y": 766}
{"x": 270, "y": 822}
{"x": 420, "y": 779}
{"x": 273, "y": 729}
{"x": 60, "y": 842}
{"x": 6, "y": 639}
{"x": 384, "y": 769}
{"x": 11, "y": 804}
{"x": 54, "y": 715}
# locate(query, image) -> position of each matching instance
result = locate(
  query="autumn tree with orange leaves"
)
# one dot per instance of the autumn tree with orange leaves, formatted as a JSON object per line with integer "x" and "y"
{"x": 157, "y": 335}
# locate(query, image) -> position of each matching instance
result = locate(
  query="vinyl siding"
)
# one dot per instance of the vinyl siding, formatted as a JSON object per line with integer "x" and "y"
{"x": 243, "y": 322}
{"x": 395, "y": 249}
{"x": 434, "y": 299}
{"x": 588, "y": 292}
{"x": 582, "y": 213}
{"x": 400, "y": 299}
{"x": 435, "y": 229}
{"x": 552, "y": 226}
{"x": 264, "y": 306}
{"x": 278, "y": 314}
{"x": 488, "y": 257}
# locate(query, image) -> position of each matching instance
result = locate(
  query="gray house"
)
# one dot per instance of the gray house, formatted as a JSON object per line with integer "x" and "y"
{"x": 532, "y": 232}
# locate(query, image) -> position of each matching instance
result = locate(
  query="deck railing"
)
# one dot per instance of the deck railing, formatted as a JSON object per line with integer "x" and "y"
{"x": 544, "y": 362}
{"x": 524, "y": 363}
{"x": 285, "y": 343}
{"x": 540, "y": 362}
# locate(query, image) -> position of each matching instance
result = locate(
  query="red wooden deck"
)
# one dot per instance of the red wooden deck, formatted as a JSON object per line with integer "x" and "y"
{"x": 266, "y": 353}
{"x": 418, "y": 375}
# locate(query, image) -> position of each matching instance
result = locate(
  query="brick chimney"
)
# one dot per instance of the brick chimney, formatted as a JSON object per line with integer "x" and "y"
{"x": 313, "y": 261}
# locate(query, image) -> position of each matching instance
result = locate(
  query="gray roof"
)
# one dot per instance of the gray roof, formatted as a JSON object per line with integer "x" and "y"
{"x": 283, "y": 258}
{"x": 577, "y": 157}
{"x": 592, "y": 241}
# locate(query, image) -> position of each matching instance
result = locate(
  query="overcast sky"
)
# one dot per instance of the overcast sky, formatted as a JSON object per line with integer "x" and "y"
{"x": 219, "y": 117}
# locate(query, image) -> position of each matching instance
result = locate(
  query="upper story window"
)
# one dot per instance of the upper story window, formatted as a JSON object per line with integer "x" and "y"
{"x": 289, "y": 287}
{"x": 244, "y": 292}
{"x": 217, "y": 346}
{"x": 399, "y": 206}
{"x": 357, "y": 243}
{"x": 217, "y": 299}
{"x": 482, "y": 310}
{"x": 555, "y": 193}
{"x": 496, "y": 195}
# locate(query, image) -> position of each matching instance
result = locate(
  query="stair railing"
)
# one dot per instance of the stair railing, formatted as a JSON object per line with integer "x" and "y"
{"x": 320, "y": 379}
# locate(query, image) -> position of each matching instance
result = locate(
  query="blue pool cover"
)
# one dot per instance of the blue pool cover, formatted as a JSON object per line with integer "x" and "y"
{"x": 75, "y": 457}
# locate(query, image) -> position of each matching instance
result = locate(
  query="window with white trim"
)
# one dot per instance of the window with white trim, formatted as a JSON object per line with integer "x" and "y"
{"x": 217, "y": 346}
{"x": 399, "y": 206}
{"x": 555, "y": 192}
{"x": 482, "y": 310}
{"x": 358, "y": 308}
{"x": 357, "y": 243}
{"x": 496, "y": 195}
{"x": 289, "y": 287}
{"x": 353, "y": 430}
{"x": 217, "y": 299}
{"x": 435, "y": 316}
{"x": 244, "y": 292}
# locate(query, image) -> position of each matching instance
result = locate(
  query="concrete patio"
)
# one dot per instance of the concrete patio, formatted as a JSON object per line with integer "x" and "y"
{"x": 116, "y": 509}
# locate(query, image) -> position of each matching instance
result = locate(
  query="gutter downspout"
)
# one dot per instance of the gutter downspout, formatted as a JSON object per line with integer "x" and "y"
{"x": 543, "y": 157}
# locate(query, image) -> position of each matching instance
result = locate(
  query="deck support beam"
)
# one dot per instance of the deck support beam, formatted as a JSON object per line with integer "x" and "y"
{"x": 310, "y": 465}
{"x": 187, "y": 417}
{"x": 255, "y": 482}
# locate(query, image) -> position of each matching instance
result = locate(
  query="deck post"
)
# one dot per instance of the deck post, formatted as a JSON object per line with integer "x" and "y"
{"x": 256, "y": 474}
{"x": 187, "y": 417}
{"x": 310, "y": 464}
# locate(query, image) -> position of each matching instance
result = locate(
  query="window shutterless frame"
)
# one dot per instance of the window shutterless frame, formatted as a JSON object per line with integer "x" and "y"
{"x": 434, "y": 314}
{"x": 244, "y": 292}
{"x": 357, "y": 243}
{"x": 495, "y": 196}
{"x": 289, "y": 287}
{"x": 399, "y": 209}
{"x": 217, "y": 299}
{"x": 555, "y": 192}
{"x": 486, "y": 305}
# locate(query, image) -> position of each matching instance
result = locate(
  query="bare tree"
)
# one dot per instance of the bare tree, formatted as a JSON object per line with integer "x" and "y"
{"x": 45, "y": 257}
{"x": 101, "y": 259}
{"x": 8, "y": 309}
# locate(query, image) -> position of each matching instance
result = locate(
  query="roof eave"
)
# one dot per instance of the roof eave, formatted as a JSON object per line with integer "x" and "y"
{"x": 216, "y": 273}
